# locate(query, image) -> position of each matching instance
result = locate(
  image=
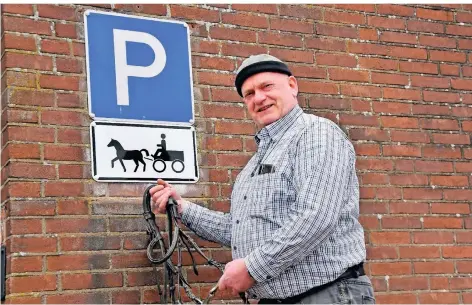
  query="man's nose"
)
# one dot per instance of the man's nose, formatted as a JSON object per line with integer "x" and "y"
{"x": 259, "y": 96}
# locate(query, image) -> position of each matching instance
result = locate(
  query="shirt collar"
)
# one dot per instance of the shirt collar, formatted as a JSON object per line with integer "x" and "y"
{"x": 276, "y": 129}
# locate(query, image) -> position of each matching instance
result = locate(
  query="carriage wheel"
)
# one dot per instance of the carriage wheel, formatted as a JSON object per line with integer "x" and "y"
{"x": 159, "y": 165}
{"x": 179, "y": 167}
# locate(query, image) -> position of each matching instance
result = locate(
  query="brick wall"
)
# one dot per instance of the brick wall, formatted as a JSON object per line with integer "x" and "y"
{"x": 396, "y": 77}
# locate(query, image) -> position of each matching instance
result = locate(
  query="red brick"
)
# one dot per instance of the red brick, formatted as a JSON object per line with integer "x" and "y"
{"x": 372, "y": 164}
{"x": 246, "y": 20}
{"x": 31, "y": 170}
{"x": 217, "y": 111}
{"x": 94, "y": 280}
{"x": 368, "y": 134}
{"x": 347, "y": 119}
{"x": 27, "y": 61}
{"x": 71, "y": 171}
{"x": 78, "y": 49}
{"x": 401, "y": 94}
{"x": 399, "y": 122}
{"x": 280, "y": 39}
{"x": 20, "y": 79}
{"x": 368, "y": 34}
{"x": 63, "y": 189}
{"x": 348, "y": 75}
{"x": 327, "y": 103}
{"x": 232, "y": 160}
{"x": 32, "y": 208}
{"x": 57, "y": 12}
{"x": 408, "y": 283}
{"x": 421, "y": 193}
{"x": 401, "y": 150}
{"x": 76, "y": 225}
{"x": 450, "y": 208}
{"x": 435, "y": 41}
{"x": 459, "y": 30}
{"x": 441, "y": 152}
{"x": 126, "y": 297}
{"x": 439, "y": 298}
{"x": 395, "y": 9}
{"x": 378, "y": 63}
{"x": 22, "y": 9}
{"x": 20, "y": 116}
{"x": 63, "y": 153}
{"x": 431, "y": 109}
{"x": 336, "y": 31}
{"x": 461, "y": 84}
{"x": 66, "y": 30}
{"x": 26, "y": 25}
{"x": 396, "y": 298}
{"x": 87, "y": 243}
{"x": 380, "y": 238}
{"x": 447, "y": 56}
{"x": 448, "y": 97}
{"x": 442, "y": 223}
{"x": 419, "y": 252}
{"x": 436, "y": 237}
{"x": 23, "y": 189}
{"x": 344, "y": 17}
{"x": 30, "y": 283}
{"x": 55, "y": 46}
{"x": 397, "y": 268}
{"x": 428, "y": 81}
{"x": 59, "y": 117}
{"x": 437, "y": 267}
{"x": 398, "y": 37}
{"x": 439, "y": 124}
{"x": 424, "y": 26}
{"x": 308, "y": 71}
{"x": 73, "y": 136}
{"x": 407, "y": 179}
{"x": 72, "y": 207}
{"x": 460, "y": 283}
{"x": 317, "y": 87}
{"x": 69, "y": 100}
{"x": 77, "y": 262}
{"x": 464, "y": 266}
{"x": 434, "y": 14}
{"x": 59, "y": 82}
{"x": 234, "y": 128}
{"x": 259, "y": 8}
{"x": 292, "y": 55}
{"x": 291, "y": 25}
{"x": 221, "y": 143}
{"x": 418, "y": 67}
{"x": 450, "y": 180}
{"x": 33, "y": 244}
{"x": 78, "y": 298}
{"x": 457, "y": 194}
{"x": 363, "y": 91}
{"x": 388, "y": 23}
{"x": 409, "y": 136}
{"x": 367, "y": 48}
{"x": 380, "y": 252}
{"x": 403, "y": 52}
{"x": 325, "y": 43}
{"x": 26, "y": 264}
{"x": 451, "y": 138}
{"x": 20, "y": 42}
{"x": 367, "y": 149}
{"x": 336, "y": 60}
{"x": 151, "y": 9}
{"x": 188, "y": 12}
{"x": 300, "y": 11}
{"x": 69, "y": 65}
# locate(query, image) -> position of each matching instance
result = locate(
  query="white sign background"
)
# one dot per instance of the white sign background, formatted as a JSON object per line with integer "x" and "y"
{"x": 136, "y": 137}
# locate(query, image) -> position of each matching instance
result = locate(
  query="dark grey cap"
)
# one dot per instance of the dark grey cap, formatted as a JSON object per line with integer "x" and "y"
{"x": 256, "y": 64}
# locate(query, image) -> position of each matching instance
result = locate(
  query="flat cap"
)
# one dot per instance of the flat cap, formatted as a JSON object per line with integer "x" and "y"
{"x": 256, "y": 64}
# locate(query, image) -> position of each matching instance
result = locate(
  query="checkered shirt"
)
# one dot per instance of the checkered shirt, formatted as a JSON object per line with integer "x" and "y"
{"x": 296, "y": 223}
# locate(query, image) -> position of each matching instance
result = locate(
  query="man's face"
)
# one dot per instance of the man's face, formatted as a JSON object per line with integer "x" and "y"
{"x": 269, "y": 96}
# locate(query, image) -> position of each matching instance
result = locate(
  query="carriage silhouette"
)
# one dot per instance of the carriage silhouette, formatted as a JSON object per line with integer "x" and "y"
{"x": 160, "y": 157}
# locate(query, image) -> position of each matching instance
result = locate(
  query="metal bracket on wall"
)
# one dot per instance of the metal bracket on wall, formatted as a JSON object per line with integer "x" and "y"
{"x": 3, "y": 271}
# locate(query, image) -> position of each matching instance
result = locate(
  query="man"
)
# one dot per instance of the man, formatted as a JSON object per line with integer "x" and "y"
{"x": 293, "y": 225}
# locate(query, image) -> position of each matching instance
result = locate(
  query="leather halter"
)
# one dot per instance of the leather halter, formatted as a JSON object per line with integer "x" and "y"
{"x": 176, "y": 238}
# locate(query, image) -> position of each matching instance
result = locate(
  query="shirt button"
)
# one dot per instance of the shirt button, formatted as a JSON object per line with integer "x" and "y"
{"x": 237, "y": 221}
{"x": 268, "y": 277}
{"x": 252, "y": 175}
{"x": 245, "y": 197}
{"x": 235, "y": 247}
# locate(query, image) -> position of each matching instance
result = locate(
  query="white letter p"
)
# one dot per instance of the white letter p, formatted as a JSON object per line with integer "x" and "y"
{"x": 123, "y": 70}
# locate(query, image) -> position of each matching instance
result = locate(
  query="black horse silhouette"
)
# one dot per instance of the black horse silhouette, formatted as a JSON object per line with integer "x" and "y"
{"x": 122, "y": 154}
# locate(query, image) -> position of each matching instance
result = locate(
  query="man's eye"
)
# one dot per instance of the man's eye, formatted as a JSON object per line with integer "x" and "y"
{"x": 249, "y": 94}
{"x": 266, "y": 86}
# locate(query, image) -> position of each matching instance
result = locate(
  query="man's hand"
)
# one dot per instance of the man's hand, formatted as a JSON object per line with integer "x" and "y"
{"x": 160, "y": 195}
{"x": 236, "y": 278}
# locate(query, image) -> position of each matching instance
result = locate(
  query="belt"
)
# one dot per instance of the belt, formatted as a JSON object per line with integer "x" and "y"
{"x": 351, "y": 272}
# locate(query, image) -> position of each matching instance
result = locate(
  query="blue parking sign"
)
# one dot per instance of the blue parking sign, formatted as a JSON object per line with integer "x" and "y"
{"x": 138, "y": 68}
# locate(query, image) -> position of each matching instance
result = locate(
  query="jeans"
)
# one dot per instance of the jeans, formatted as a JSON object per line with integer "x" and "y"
{"x": 349, "y": 291}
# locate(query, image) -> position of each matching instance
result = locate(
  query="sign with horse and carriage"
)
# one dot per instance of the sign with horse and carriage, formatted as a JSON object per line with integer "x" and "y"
{"x": 141, "y": 152}
{"x": 140, "y": 97}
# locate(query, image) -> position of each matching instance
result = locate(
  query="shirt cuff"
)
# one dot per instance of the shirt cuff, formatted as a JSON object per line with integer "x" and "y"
{"x": 258, "y": 268}
{"x": 191, "y": 214}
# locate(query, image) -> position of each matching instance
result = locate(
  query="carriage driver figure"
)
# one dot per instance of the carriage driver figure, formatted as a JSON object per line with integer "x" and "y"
{"x": 161, "y": 151}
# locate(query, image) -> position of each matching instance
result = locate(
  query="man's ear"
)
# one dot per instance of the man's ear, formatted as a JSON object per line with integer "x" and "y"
{"x": 292, "y": 82}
